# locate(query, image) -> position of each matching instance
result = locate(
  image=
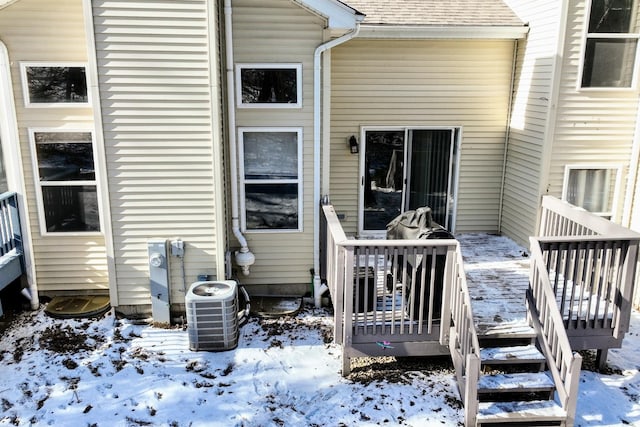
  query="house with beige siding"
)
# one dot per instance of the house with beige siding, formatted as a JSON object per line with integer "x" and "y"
{"x": 573, "y": 128}
{"x": 211, "y": 130}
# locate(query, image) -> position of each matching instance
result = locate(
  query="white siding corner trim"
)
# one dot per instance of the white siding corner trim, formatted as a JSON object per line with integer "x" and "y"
{"x": 13, "y": 163}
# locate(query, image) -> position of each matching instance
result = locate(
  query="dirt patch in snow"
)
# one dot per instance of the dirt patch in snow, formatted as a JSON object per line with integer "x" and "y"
{"x": 365, "y": 370}
{"x": 589, "y": 364}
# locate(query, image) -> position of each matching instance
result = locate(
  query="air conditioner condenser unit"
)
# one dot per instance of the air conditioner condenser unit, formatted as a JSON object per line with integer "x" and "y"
{"x": 212, "y": 315}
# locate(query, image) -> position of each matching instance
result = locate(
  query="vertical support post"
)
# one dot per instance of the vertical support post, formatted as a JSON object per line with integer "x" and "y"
{"x": 626, "y": 293}
{"x": 572, "y": 389}
{"x": 159, "y": 280}
{"x": 447, "y": 295}
{"x": 347, "y": 325}
{"x": 471, "y": 390}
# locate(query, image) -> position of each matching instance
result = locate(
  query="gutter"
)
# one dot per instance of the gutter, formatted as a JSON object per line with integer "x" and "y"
{"x": 244, "y": 257}
{"x": 407, "y": 32}
{"x": 318, "y": 287}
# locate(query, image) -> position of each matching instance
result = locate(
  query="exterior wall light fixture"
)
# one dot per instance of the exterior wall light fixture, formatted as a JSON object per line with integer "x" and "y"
{"x": 353, "y": 145}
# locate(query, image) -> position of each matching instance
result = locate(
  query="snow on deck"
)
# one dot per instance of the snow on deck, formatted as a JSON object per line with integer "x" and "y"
{"x": 497, "y": 272}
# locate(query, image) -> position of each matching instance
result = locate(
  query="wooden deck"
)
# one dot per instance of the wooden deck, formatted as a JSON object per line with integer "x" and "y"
{"x": 497, "y": 272}
{"x": 570, "y": 290}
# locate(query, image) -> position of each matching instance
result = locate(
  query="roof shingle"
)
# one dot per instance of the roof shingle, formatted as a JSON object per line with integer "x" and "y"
{"x": 436, "y": 12}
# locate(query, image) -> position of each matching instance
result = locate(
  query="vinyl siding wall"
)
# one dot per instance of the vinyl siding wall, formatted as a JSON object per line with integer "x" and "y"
{"x": 424, "y": 83}
{"x": 279, "y": 31}
{"x": 528, "y": 136}
{"x": 154, "y": 65}
{"x": 592, "y": 126}
{"x": 36, "y": 30}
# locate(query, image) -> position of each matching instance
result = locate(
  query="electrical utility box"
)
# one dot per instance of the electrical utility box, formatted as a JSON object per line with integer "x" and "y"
{"x": 159, "y": 280}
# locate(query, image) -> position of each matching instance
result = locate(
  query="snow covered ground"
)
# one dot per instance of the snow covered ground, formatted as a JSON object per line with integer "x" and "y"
{"x": 285, "y": 372}
{"x": 111, "y": 372}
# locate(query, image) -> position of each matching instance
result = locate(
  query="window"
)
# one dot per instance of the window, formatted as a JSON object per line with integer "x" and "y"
{"x": 271, "y": 184}
{"x": 54, "y": 84}
{"x": 594, "y": 188}
{"x": 611, "y": 45}
{"x": 66, "y": 181}
{"x": 269, "y": 86}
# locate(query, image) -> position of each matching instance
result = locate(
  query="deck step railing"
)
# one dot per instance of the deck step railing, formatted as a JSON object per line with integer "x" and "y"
{"x": 563, "y": 364}
{"x": 464, "y": 345}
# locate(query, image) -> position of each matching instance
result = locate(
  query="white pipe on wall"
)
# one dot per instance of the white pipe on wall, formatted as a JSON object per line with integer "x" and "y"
{"x": 244, "y": 257}
{"x": 318, "y": 287}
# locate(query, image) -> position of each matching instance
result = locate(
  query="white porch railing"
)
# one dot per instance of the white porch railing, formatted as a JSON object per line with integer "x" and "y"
{"x": 12, "y": 264}
{"x": 390, "y": 297}
{"x": 401, "y": 298}
{"x": 591, "y": 264}
{"x": 10, "y": 236}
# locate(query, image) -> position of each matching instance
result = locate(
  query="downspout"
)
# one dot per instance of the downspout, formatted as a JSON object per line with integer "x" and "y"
{"x": 244, "y": 257}
{"x": 507, "y": 133}
{"x": 318, "y": 287}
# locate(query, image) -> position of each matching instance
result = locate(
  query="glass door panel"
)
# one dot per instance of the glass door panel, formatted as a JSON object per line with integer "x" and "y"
{"x": 429, "y": 174}
{"x": 384, "y": 158}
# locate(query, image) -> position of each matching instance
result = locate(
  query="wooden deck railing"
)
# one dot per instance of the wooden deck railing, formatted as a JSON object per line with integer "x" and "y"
{"x": 591, "y": 264}
{"x": 12, "y": 264}
{"x": 401, "y": 298}
{"x": 563, "y": 364}
{"x": 10, "y": 235}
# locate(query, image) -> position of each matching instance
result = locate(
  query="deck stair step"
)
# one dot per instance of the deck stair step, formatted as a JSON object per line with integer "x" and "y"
{"x": 519, "y": 382}
{"x": 506, "y": 330}
{"x": 531, "y": 413}
{"x": 512, "y": 355}
{"x": 501, "y": 334}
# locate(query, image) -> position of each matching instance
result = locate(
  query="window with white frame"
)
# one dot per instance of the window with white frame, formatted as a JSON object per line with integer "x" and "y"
{"x": 611, "y": 44}
{"x": 54, "y": 84}
{"x": 271, "y": 179}
{"x": 594, "y": 188}
{"x": 269, "y": 85}
{"x": 66, "y": 181}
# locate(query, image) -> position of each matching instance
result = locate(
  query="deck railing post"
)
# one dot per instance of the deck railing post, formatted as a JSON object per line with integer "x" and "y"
{"x": 626, "y": 291}
{"x": 471, "y": 389}
{"x": 347, "y": 311}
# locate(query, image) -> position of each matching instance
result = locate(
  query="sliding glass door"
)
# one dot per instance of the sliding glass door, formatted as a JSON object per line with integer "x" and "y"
{"x": 403, "y": 169}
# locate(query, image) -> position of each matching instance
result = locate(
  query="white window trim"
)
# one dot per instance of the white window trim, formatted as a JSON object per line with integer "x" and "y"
{"x": 25, "y": 85}
{"x": 616, "y": 187}
{"x": 293, "y": 66}
{"x": 38, "y": 184}
{"x": 299, "y": 181}
{"x": 583, "y": 50}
